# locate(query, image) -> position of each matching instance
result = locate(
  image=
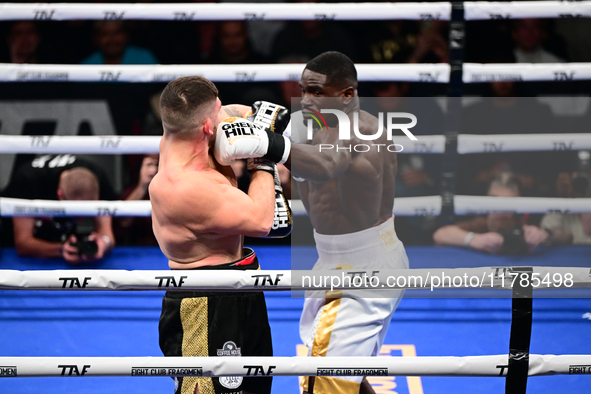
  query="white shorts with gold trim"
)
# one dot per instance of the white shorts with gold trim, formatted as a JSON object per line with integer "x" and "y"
{"x": 351, "y": 323}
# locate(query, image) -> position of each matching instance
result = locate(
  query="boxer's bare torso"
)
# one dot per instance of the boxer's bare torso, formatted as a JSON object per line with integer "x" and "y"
{"x": 346, "y": 190}
{"x": 191, "y": 206}
{"x": 363, "y": 195}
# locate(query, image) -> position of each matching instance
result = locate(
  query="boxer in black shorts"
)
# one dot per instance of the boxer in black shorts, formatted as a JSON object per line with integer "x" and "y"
{"x": 200, "y": 218}
{"x": 201, "y": 324}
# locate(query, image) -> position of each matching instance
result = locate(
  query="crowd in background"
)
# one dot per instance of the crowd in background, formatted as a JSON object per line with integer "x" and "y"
{"x": 135, "y": 107}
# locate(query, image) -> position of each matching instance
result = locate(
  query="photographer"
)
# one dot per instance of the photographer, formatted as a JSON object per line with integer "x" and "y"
{"x": 61, "y": 177}
{"x": 497, "y": 232}
{"x": 570, "y": 228}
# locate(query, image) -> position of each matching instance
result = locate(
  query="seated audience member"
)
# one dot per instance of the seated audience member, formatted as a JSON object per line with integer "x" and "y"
{"x": 112, "y": 40}
{"x": 528, "y": 35}
{"x": 23, "y": 43}
{"x": 586, "y": 219}
{"x": 138, "y": 230}
{"x": 233, "y": 46}
{"x": 569, "y": 228}
{"x": 431, "y": 44}
{"x": 311, "y": 38}
{"x": 503, "y": 113}
{"x": 61, "y": 177}
{"x": 496, "y": 232}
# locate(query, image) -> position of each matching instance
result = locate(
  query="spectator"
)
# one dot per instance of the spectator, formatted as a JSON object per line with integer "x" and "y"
{"x": 112, "y": 40}
{"x": 389, "y": 41}
{"x": 23, "y": 43}
{"x": 311, "y": 38}
{"x": 431, "y": 44}
{"x": 586, "y": 219}
{"x": 290, "y": 90}
{"x": 496, "y": 232}
{"x": 568, "y": 228}
{"x": 503, "y": 113}
{"x": 138, "y": 230}
{"x": 61, "y": 177}
{"x": 529, "y": 35}
{"x": 233, "y": 47}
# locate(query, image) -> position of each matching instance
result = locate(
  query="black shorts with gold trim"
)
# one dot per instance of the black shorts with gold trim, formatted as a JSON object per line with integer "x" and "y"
{"x": 211, "y": 324}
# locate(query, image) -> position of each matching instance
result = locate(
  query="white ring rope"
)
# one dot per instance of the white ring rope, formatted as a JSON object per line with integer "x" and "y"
{"x": 429, "y": 72}
{"x": 484, "y": 10}
{"x": 228, "y": 11}
{"x": 495, "y": 143}
{"x": 403, "y": 206}
{"x": 467, "y": 143}
{"x": 104, "y": 144}
{"x": 286, "y": 11}
{"x": 112, "y": 144}
{"x": 527, "y": 72}
{"x": 285, "y": 280}
{"x": 11, "y": 207}
{"x": 477, "y": 205}
{"x": 10, "y": 72}
{"x": 289, "y": 366}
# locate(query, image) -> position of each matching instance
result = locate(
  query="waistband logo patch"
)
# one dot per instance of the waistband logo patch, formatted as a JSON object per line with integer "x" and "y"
{"x": 230, "y": 349}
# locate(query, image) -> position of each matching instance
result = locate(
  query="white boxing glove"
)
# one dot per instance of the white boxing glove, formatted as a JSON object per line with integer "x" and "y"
{"x": 296, "y": 130}
{"x": 239, "y": 138}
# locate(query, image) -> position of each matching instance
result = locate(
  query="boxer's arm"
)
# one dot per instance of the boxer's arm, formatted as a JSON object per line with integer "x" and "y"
{"x": 233, "y": 111}
{"x": 208, "y": 206}
{"x": 27, "y": 245}
{"x": 319, "y": 162}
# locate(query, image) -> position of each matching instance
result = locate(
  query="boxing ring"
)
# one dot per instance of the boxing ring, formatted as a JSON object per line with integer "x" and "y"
{"x": 427, "y": 339}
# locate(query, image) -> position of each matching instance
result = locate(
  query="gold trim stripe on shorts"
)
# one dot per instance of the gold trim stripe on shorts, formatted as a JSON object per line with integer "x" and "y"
{"x": 195, "y": 341}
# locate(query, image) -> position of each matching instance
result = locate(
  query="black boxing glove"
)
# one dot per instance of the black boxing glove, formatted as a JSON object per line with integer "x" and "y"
{"x": 282, "y": 223}
{"x": 272, "y": 117}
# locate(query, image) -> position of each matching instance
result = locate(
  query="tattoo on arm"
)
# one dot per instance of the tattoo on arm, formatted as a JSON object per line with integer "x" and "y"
{"x": 232, "y": 112}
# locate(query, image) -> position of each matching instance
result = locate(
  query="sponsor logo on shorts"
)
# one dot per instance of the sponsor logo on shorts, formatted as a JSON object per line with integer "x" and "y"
{"x": 388, "y": 238}
{"x": 579, "y": 369}
{"x": 230, "y": 350}
{"x": 8, "y": 371}
{"x": 166, "y": 371}
{"x": 352, "y": 371}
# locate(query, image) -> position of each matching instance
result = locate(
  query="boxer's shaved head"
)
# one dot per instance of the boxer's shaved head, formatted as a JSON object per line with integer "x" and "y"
{"x": 339, "y": 69}
{"x": 186, "y": 103}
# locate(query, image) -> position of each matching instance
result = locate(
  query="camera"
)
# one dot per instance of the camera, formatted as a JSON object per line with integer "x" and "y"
{"x": 514, "y": 242}
{"x": 85, "y": 246}
{"x": 59, "y": 230}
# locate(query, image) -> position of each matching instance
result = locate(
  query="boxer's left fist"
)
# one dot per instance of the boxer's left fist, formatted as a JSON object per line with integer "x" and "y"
{"x": 272, "y": 117}
{"x": 239, "y": 138}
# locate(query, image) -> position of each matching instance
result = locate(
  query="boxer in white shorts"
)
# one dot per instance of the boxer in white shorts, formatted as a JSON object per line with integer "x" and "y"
{"x": 349, "y": 196}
